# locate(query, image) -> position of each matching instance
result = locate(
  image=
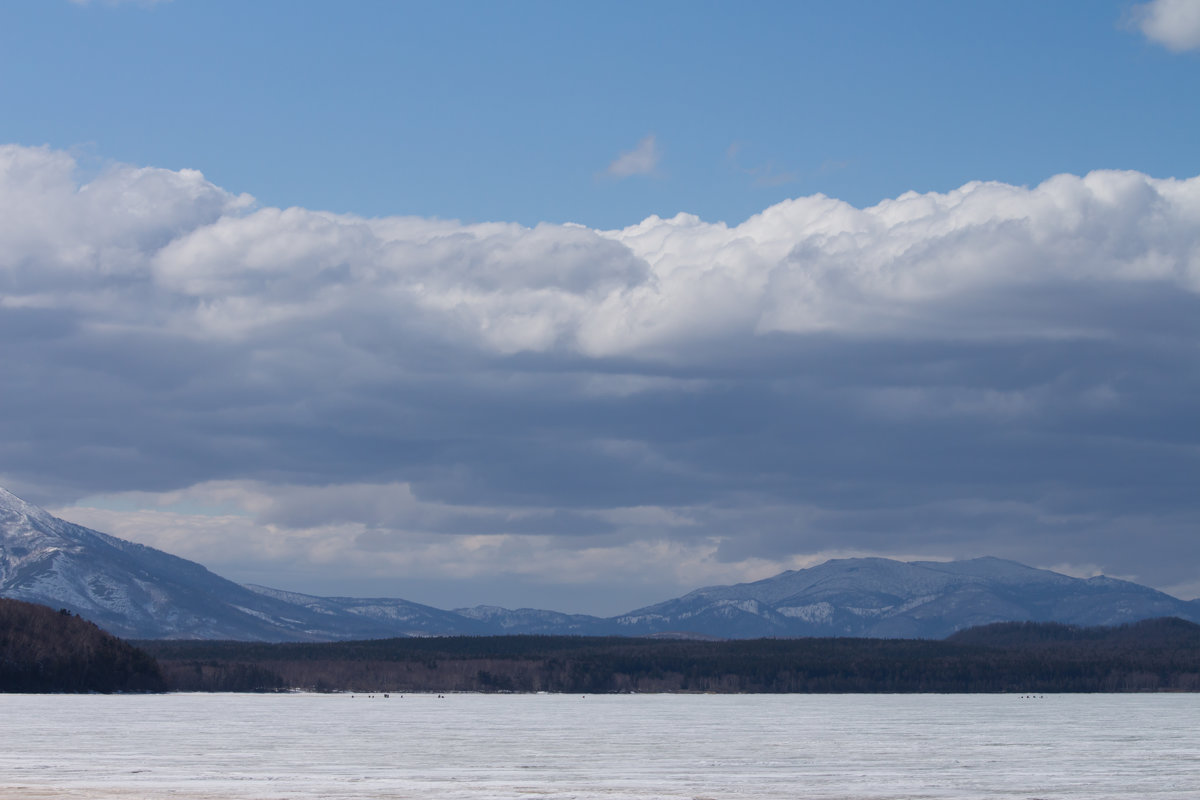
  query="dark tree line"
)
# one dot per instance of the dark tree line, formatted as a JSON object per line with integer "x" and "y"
{"x": 1158, "y": 655}
{"x": 43, "y": 650}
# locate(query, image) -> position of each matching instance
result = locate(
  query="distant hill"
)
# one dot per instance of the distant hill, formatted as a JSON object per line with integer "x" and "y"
{"x": 395, "y": 616}
{"x": 878, "y": 597}
{"x": 43, "y": 650}
{"x": 537, "y": 621}
{"x": 139, "y": 592}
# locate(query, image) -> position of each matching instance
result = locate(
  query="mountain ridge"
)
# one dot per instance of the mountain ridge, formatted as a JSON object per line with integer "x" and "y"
{"x": 137, "y": 591}
{"x": 878, "y": 597}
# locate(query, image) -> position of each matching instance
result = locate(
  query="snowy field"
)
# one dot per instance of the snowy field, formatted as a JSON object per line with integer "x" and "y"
{"x": 488, "y": 747}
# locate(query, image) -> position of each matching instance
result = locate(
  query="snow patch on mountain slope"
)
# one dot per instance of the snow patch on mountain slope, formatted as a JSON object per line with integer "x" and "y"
{"x": 815, "y": 613}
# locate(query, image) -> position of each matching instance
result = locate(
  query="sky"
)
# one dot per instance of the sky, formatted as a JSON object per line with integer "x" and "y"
{"x": 584, "y": 306}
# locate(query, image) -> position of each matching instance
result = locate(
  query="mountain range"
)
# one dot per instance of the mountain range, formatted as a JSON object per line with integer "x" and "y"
{"x": 139, "y": 592}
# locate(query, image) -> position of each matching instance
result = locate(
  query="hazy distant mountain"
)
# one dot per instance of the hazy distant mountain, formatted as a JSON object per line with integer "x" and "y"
{"x": 883, "y": 598}
{"x": 537, "y": 621}
{"x": 399, "y": 617}
{"x": 137, "y": 591}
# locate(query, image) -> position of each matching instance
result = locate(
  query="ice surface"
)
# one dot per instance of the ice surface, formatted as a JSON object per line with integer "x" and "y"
{"x": 818, "y": 747}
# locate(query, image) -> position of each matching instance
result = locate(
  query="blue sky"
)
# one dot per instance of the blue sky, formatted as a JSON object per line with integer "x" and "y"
{"x": 584, "y": 306}
{"x": 513, "y": 112}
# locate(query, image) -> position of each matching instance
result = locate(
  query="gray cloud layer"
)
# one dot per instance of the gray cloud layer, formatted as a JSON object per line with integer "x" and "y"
{"x": 997, "y": 369}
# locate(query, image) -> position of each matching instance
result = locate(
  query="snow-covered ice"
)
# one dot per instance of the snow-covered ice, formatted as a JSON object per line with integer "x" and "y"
{"x": 821, "y": 747}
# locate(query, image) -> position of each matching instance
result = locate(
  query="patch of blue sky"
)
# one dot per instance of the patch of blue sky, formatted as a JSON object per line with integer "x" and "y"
{"x": 515, "y": 112}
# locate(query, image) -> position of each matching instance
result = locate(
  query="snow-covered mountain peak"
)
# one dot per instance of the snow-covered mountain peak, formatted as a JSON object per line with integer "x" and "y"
{"x": 134, "y": 590}
{"x": 14, "y": 511}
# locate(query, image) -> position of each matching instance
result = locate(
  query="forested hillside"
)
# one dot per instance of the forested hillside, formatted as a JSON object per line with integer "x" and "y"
{"x": 43, "y": 650}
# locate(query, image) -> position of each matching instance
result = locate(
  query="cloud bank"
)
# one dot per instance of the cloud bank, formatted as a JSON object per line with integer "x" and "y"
{"x": 439, "y": 410}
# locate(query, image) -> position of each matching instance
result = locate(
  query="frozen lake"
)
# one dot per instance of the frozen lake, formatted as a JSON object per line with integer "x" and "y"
{"x": 641, "y": 746}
